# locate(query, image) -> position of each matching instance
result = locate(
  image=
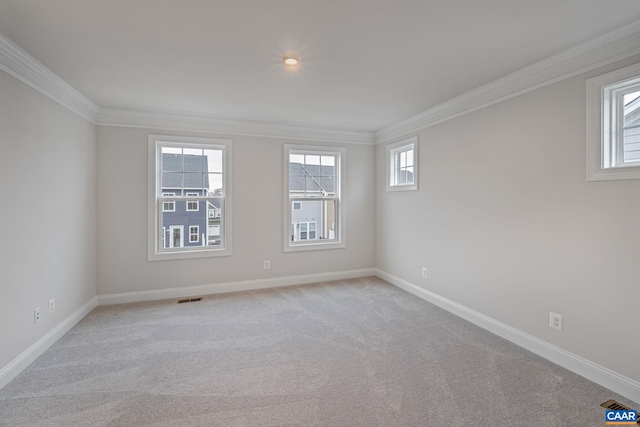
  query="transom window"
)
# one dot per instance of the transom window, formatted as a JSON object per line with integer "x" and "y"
{"x": 402, "y": 165}
{"x": 314, "y": 198}
{"x": 184, "y": 174}
{"x": 613, "y": 134}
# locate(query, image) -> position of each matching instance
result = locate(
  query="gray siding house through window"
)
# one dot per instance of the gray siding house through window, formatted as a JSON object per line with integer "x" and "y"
{"x": 178, "y": 226}
{"x": 312, "y": 220}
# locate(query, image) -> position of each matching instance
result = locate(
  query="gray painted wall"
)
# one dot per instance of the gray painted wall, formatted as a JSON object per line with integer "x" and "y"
{"x": 48, "y": 214}
{"x": 258, "y": 204}
{"x": 508, "y": 226}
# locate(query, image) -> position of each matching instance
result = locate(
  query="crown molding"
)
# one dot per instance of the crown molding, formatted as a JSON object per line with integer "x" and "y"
{"x": 24, "y": 67}
{"x": 135, "y": 119}
{"x": 614, "y": 46}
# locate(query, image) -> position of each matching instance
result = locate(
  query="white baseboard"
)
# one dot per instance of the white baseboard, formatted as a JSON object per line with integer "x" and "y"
{"x": 218, "y": 288}
{"x": 27, "y": 357}
{"x": 614, "y": 381}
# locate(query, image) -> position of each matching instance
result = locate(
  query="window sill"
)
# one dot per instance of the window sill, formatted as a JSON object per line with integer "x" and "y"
{"x": 187, "y": 254}
{"x": 411, "y": 187}
{"x": 301, "y": 247}
{"x": 612, "y": 174}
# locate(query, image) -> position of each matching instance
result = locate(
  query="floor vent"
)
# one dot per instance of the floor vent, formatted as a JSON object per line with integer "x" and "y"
{"x": 182, "y": 301}
{"x": 616, "y": 406}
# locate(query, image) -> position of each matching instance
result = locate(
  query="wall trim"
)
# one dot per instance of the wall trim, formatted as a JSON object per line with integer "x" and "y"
{"x": 136, "y": 119}
{"x": 614, "y": 381}
{"x": 16, "y": 62}
{"x": 218, "y": 288}
{"x": 20, "y": 363}
{"x": 614, "y": 46}
{"x": 611, "y": 47}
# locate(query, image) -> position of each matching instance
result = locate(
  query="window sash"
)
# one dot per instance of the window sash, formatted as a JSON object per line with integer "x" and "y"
{"x": 402, "y": 165}
{"x": 613, "y": 138}
{"x": 328, "y": 233}
{"x": 621, "y": 151}
{"x": 398, "y": 166}
{"x": 162, "y": 227}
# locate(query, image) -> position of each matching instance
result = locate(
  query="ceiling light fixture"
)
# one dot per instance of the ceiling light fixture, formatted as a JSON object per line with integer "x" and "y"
{"x": 290, "y": 60}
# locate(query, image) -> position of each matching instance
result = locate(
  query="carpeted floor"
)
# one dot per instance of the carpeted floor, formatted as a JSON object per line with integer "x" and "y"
{"x": 350, "y": 353}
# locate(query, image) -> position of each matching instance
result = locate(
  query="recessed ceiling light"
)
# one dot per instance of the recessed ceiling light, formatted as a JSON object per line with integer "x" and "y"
{"x": 290, "y": 60}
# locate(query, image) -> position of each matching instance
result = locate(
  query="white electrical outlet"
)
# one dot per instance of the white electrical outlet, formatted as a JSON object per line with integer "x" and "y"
{"x": 36, "y": 315}
{"x": 424, "y": 272}
{"x": 267, "y": 265}
{"x": 555, "y": 321}
{"x": 52, "y": 305}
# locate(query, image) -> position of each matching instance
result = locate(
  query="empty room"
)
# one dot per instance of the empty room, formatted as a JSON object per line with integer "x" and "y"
{"x": 323, "y": 213}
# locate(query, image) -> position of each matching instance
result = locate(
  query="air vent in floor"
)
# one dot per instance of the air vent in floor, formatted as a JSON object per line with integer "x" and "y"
{"x": 616, "y": 406}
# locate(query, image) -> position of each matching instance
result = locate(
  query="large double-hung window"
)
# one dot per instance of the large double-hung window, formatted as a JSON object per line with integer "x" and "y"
{"x": 314, "y": 198}
{"x": 189, "y": 197}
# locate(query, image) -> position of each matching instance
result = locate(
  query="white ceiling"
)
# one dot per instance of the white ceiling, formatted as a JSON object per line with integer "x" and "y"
{"x": 365, "y": 64}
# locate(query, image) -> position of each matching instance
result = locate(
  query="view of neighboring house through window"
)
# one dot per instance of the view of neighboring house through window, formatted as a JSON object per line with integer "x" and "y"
{"x": 314, "y": 197}
{"x": 402, "y": 161}
{"x": 191, "y": 184}
{"x": 631, "y": 127}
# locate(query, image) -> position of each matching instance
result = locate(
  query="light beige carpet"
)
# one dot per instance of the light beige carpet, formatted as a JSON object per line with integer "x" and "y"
{"x": 350, "y": 353}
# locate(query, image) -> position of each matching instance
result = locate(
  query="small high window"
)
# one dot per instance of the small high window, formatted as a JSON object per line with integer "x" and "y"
{"x": 402, "y": 165}
{"x": 613, "y": 134}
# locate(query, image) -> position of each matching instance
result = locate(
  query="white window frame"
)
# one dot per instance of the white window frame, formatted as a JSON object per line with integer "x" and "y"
{"x": 604, "y": 121}
{"x": 173, "y": 202}
{"x": 155, "y": 251}
{"x": 197, "y": 202}
{"x": 308, "y": 230}
{"x": 393, "y": 167}
{"x": 339, "y": 240}
{"x": 191, "y": 234}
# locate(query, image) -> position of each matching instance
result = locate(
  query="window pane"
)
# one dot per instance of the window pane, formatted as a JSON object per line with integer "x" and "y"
{"x": 214, "y": 223}
{"x": 296, "y": 158}
{"x": 171, "y": 180}
{"x": 213, "y": 186}
{"x": 171, "y": 159}
{"x": 193, "y": 181}
{"x": 296, "y": 185}
{"x": 312, "y": 159}
{"x": 193, "y": 160}
{"x": 410, "y": 158}
{"x": 327, "y": 185}
{"x": 403, "y": 159}
{"x": 632, "y": 109}
{"x": 632, "y": 144}
{"x": 315, "y": 217}
{"x": 312, "y": 186}
{"x": 328, "y": 161}
{"x": 202, "y": 228}
{"x": 213, "y": 160}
